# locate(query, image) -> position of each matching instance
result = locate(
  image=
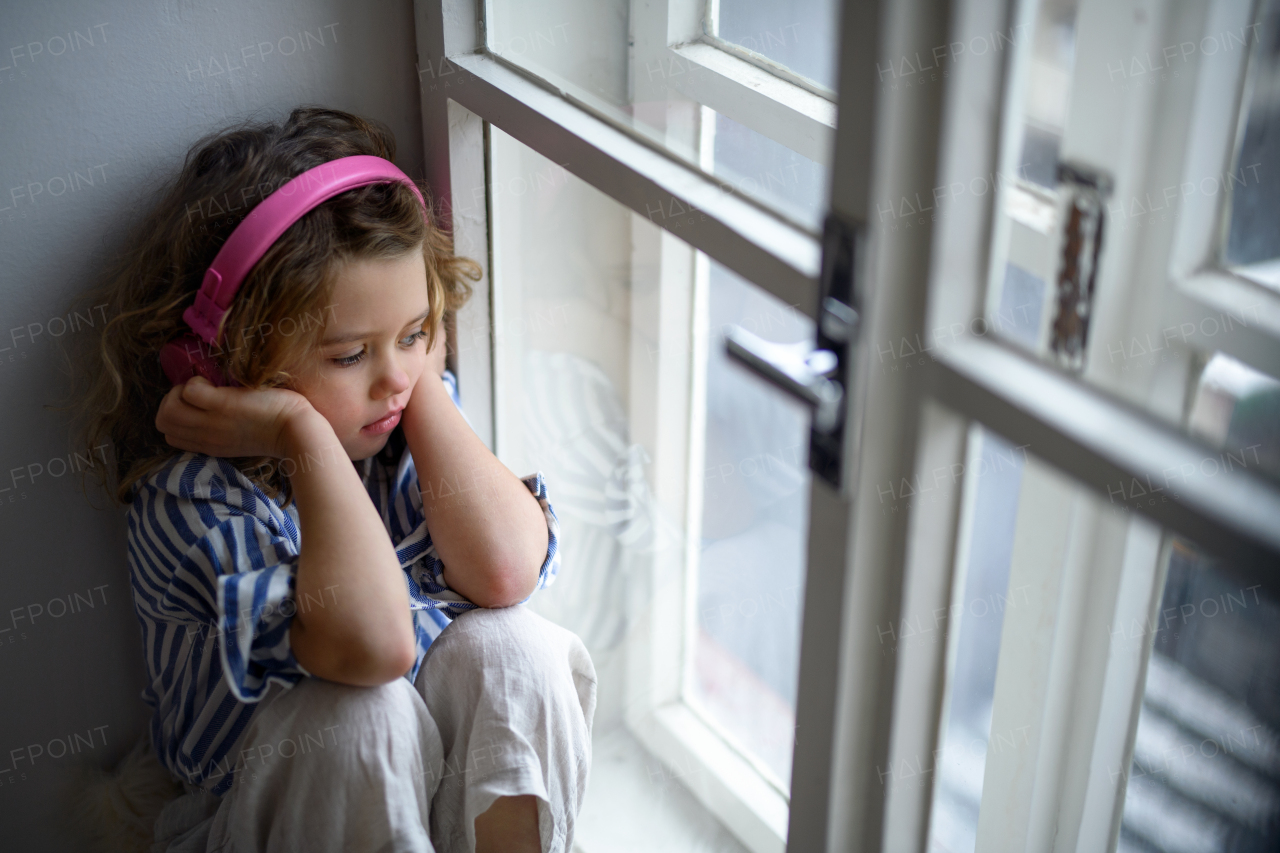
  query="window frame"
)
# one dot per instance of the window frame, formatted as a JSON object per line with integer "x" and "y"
{"x": 875, "y": 711}
{"x": 1049, "y": 796}
{"x": 671, "y": 38}
{"x": 708, "y": 33}
{"x": 779, "y": 256}
{"x": 1201, "y": 286}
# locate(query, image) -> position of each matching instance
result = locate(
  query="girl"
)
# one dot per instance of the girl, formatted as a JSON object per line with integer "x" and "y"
{"x": 323, "y": 555}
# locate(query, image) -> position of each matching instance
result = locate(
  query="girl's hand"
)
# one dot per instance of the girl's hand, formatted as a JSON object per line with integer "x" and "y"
{"x": 203, "y": 418}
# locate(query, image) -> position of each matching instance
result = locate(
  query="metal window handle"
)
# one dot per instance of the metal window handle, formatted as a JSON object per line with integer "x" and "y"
{"x": 798, "y": 369}
{"x": 839, "y": 322}
{"x": 817, "y": 374}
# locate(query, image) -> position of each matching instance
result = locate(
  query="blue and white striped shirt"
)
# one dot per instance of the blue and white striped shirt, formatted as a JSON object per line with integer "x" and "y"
{"x": 212, "y": 563}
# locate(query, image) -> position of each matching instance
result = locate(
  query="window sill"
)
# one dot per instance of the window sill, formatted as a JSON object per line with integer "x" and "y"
{"x": 635, "y": 804}
{"x": 724, "y": 782}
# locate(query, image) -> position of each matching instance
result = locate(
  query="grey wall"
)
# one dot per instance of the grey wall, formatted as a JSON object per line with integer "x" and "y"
{"x": 98, "y": 104}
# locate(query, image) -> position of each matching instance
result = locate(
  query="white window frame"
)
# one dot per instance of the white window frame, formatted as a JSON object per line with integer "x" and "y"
{"x": 671, "y": 55}
{"x": 1058, "y": 668}
{"x": 881, "y": 710}
{"x": 774, "y": 252}
{"x": 1201, "y": 287}
{"x": 672, "y": 50}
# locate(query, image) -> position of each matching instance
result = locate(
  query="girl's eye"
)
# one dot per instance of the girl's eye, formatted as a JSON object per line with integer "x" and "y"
{"x": 415, "y": 337}
{"x": 349, "y": 360}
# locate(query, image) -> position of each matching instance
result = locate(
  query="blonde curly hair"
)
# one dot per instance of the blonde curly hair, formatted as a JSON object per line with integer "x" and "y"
{"x": 117, "y": 382}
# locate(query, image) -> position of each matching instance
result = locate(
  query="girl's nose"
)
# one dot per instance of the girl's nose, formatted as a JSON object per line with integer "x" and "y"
{"x": 392, "y": 379}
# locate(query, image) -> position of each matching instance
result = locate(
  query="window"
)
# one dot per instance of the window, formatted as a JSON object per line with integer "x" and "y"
{"x": 751, "y": 553}
{"x": 974, "y": 622}
{"x": 599, "y": 348}
{"x": 1019, "y": 303}
{"x": 1041, "y": 740}
{"x": 683, "y": 480}
{"x": 799, "y": 37}
{"x": 1252, "y": 245}
{"x": 928, "y": 651}
{"x": 730, "y": 105}
{"x": 1205, "y": 774}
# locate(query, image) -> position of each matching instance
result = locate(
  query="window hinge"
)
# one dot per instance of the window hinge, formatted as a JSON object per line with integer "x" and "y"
{"x": 1083, "y": 192}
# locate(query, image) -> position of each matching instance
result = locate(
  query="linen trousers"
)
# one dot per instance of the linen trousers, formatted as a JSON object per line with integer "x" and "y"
{"x": 502, "y": 706}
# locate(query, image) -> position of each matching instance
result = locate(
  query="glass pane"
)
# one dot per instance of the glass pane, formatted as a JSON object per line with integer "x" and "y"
{"x": 1035, "y": 549}
{"x": 597, "y": 51}
{"x": 757, "y": 166}
{"x": 1027, "y": 210}
{"x": 1205, "y": 776}
{"x": 983, "y": 595}
{"x": 1253, "y": 240}
{"x": 1047, "y": 91}
{"x": 754, "y": 529}
{"x": 608, "y": 378}
{"x": 1206, "y": 763}
{"x": 1237, "y": 409}
{"x": 800, "y": 35}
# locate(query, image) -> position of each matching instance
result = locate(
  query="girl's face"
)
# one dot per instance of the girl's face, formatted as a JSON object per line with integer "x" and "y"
{"x": 372, "y": 352}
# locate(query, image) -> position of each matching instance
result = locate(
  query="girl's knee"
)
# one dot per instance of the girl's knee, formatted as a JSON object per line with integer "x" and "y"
{"x": 511, "y": 637}
{"x": 530, "y": 655}
{"x": 326, "y": 720}
{"x": 320, "y": 699}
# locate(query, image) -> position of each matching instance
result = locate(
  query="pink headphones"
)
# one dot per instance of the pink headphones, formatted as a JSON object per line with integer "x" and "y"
{"x": 191, "y": 355}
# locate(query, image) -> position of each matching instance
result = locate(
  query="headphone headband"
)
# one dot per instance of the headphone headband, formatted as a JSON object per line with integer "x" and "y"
{"x": 271, "y": 218}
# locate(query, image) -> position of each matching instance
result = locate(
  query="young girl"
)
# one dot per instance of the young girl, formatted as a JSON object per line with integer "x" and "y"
{"x": 324, "y": 556}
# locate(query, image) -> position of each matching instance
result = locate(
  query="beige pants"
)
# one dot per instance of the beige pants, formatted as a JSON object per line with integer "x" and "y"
{"x": 502, "y": 706}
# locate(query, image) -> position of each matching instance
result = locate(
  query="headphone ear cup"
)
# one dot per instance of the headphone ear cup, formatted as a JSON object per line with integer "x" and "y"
{"x": 189, "y": 356}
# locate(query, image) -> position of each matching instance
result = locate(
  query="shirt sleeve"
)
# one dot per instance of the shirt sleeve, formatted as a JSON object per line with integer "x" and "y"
{"x": 424, "y": 571}
{"x": 225, "y": 565}
{"x": 255, "y": 610}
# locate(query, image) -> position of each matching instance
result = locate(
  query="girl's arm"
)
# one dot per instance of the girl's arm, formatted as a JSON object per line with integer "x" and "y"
{"x": 353, "y": 624}
{"x": 488, "y": 528}
{"x": 362, "y": 634}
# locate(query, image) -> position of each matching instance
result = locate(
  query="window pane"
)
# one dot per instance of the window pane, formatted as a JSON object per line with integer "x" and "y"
{"x": 1205, "y": 776}
{"x": 1047, "y": 91}
{"x": 757, "y": 166}
{"x": 1028, "y": 205}
{"x": 800, "y": 35}
{"x": 606, "y": 353}
{"x": 1206, "y": 763}
{"x": 1253, "y": 241}
{"x": 984, "y": 594}
{"x": 1237, "y": 409}
{"x": 754, "y": 531}
{"x": 581, "y": 46}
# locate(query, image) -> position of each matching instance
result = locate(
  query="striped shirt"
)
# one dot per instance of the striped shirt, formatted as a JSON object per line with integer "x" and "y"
{"x": 212, "y": 563}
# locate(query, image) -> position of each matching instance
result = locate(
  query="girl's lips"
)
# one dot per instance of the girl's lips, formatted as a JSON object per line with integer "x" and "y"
{"x": 385, "y": 425}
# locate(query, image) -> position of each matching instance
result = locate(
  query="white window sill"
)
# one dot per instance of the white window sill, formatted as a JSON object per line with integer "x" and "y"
{"x": 634, "y": 804}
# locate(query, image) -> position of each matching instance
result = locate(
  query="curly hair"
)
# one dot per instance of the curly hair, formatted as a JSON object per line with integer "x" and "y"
{"x": 276, "y": 320}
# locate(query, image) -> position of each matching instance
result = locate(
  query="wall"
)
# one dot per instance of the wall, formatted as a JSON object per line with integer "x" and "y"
{"x": 99, "y": 103}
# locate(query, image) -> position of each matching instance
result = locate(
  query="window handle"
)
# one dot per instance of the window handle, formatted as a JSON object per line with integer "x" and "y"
{"x": 797, "y": 369}
{"x": 818, "y": 374}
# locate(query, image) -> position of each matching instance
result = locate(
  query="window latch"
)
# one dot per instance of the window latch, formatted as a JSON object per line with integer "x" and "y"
{"x": 816, "y": 374}
{"x": 798, "y": 369}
